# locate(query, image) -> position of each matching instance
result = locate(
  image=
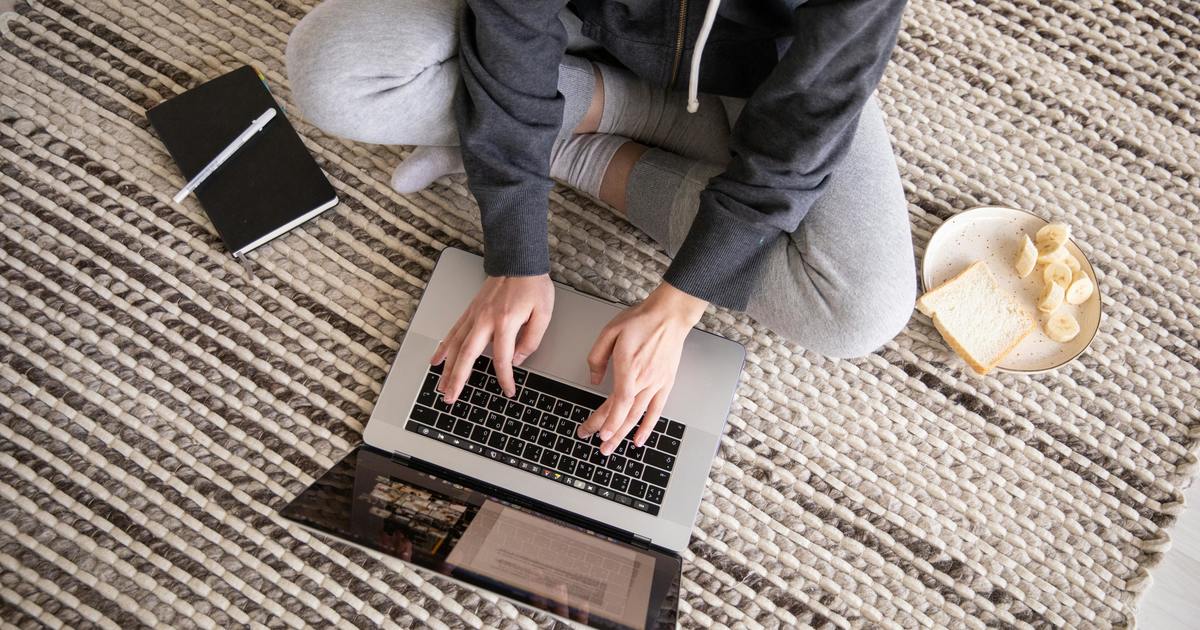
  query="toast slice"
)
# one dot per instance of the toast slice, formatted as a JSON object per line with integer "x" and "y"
{"x": 981, "y": 322}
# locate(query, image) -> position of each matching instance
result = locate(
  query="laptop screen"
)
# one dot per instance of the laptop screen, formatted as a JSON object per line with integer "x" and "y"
{"x": 373, "y": 501}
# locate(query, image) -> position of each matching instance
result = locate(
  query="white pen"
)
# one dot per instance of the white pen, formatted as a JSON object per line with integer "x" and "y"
{"x": 225, "y": 154}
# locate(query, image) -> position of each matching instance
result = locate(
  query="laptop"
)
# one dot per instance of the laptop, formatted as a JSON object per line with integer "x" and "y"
{"x": 499, "y": 493}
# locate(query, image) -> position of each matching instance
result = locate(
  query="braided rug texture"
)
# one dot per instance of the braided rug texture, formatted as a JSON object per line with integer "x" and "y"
{"x": 159, "y": 405}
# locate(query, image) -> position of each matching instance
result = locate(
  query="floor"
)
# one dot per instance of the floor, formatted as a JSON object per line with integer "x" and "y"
{"x": 1171, "y": 603}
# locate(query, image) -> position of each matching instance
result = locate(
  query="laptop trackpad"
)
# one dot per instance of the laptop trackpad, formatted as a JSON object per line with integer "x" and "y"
{"x": 371, "y": 500}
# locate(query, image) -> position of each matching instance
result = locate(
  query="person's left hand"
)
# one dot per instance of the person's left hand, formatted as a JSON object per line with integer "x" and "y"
{"x": 644, "y": 344}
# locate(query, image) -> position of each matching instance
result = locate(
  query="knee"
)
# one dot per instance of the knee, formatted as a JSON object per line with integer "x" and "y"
{"x": 348, "y": 58}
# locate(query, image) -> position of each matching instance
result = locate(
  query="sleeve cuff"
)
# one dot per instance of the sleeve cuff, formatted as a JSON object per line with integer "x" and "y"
{"x": 722, "y": 256}
{"x": 515, "y": 224}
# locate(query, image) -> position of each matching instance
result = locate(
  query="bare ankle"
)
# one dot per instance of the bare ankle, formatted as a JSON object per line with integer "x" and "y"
{"x": 616, "y": 177}
{"x": 591, "y": 120}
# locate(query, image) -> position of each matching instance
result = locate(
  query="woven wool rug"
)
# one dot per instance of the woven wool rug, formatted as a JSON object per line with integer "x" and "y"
{"x": 159, "y": 404}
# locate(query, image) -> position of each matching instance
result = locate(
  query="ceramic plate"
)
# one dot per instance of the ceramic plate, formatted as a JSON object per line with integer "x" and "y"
{"x": 993, "y": 234}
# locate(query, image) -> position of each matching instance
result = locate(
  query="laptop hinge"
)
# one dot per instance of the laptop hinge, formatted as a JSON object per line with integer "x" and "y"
{"x": 401, "y": 458}
{"x": 641, "y": 541}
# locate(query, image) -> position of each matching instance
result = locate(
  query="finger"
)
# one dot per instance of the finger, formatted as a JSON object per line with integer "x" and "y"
{"x": 594, "y": 421}
{"x": 531, "y": 335}
{"x": 601, "y": 350}
{"x": 450, "y": 354}
{"x": 622, "y": 400}
{"x": 470, "y": 350}
{"x": 653, "y": 413}
{"x": 440, "y": 353}
{"x": 503, "y": 342}
{"x": 622, "y": 428}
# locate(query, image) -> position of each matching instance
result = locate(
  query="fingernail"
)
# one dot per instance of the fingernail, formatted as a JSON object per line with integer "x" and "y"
{"x": 583, "y": 435}
{"x": 519, "y": 358}
{"x": 510, "y": 393}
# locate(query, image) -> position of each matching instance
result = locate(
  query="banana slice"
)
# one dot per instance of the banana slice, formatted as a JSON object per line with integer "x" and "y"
{"x": 1052, "y": 237}
{"x": 1057, "y": 273}
{"x": 1081, "y": 288}
{"x": 1026, "y": 258}
{"x": 1052, "y": 297}
{"x": 1072, "y": 262}
{"x": 1059, "y": 255}
{"x": 1062, "y": 327}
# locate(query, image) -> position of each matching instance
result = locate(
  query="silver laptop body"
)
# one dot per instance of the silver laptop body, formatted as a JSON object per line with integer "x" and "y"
{"x": 708, "y": 374}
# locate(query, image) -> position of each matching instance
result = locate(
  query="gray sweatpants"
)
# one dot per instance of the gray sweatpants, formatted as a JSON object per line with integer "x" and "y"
{"x": 842, "y": 284}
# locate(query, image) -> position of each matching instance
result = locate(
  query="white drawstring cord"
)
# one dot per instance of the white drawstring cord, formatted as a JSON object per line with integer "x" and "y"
{"x": 710, "y": 16}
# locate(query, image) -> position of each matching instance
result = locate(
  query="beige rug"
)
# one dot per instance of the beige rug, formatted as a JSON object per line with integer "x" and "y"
{"x": 158, "y": 405}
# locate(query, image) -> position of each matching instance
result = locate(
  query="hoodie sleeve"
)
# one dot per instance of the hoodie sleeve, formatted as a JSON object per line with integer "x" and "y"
{"x": 508, "y": 112}
{"x": 794, "y": 130}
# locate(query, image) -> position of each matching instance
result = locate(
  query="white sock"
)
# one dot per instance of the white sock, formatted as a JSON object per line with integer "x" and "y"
{"x": 423, "y": 166}
{"x": 580, "y": 161}
{"x": 657, "y": 118}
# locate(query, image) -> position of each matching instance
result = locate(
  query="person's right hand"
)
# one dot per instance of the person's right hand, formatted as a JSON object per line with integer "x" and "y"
{"x": 512, "y": 312}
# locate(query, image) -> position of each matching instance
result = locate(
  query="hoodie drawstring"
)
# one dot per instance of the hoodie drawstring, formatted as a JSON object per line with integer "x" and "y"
{"x": 710, "y": 16}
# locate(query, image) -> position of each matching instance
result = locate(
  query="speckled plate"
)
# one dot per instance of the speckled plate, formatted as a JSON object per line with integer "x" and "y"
{"x": 993, "y": 234}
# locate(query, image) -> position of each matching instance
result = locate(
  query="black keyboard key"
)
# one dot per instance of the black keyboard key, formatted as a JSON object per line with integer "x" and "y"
{"x": 480, "y": 397}
{"x": 566, "y": 427}
{"x": 482, "y": 363}
{"x": 477, "y": 379}
{"x": 424, "y": 415}
{"x": 602, "y": 476}
{"x": 437, "y": 369}
{"x": 514, "y": 409}
{"x": 492, "y": 386}
{"x": 634, "y": 469}
{"x": 564, "y": 444}
{"x": 512, "y": 427}
{"x": 498, "y": 440}
{"x": 620, "y": 483}
{"x": 460, "y": 409}
{"x": 637, "y": 488}
{"x": 598, "y": 458}
{"x": 579, "y": 414}
{"x": 668, "y": 444}
{"x": 528, "y": 396}
{"x": 477, "y": 415}
{"x": 654, "y": 495}
{"x": 634, "y": 453}
{"x": 674, "y": 429}
{"x": 549, "y": 459}
{"x": 445, "y": 422}
{"x": 519, "y": 375}
{"x": 616, "y": 463}
{"x": 497, "y": 403}
{"x": 515, "y": 447}
{"x": 529, "y": 432}
{"x": 546, "y": 439}
{"x": 624, "y": 499}
{"x": 652, "y": 441}
{"x": 581, "y": 450}
{"x": 533, "y": 452}
{"x": 656, "y": 477}
{"x": 563, "y": 391}
{"x": 562, "y": 409}
{"x": 531, "y": 415}
{"x": 494, "y": 421}
{"x": 439, "y": 404}
{"x": 548, "y": 422}
{"x": 660, "y": 426}
{"x": 462, "y": 428}
{"x": 480, "y": 434}
{"x": 584, "y": 470}
{"x": 567, "y": 464}
{"x": 660, "y": 459}
{"x": 545, "y": 403}
{"x": 638, "y": 504}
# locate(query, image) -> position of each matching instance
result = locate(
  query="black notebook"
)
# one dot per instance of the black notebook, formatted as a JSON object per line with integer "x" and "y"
{"x": 271, "y": 185}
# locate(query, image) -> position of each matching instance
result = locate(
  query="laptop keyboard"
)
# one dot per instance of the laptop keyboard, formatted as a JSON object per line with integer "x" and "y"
{"x": 536, "y": 432}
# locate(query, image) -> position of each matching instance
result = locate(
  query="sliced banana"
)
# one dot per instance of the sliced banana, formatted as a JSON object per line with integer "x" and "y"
{"x": 1057, "y": 273}
{"x": 1062, "y": 327}
{"x": 1081, "y": 288}
{"x": 1026, "y": 257}
{"x": 1052, "y": 236}
{"x": 1059, "y": 255}
{"x": 1052, "y": 297}
{"x": 1072, "y": 262}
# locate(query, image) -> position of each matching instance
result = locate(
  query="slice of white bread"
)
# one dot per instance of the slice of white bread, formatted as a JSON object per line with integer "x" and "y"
{"x": 981, "y": 322}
